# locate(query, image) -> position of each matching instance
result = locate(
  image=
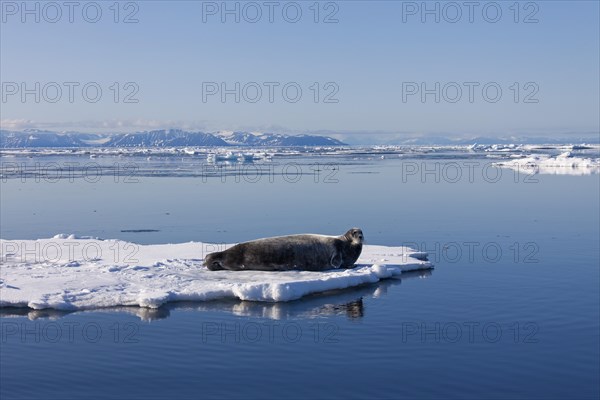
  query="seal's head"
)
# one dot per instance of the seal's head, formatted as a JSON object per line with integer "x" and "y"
{"x": 212, "y": 261}
{"x": 355, "y": 236}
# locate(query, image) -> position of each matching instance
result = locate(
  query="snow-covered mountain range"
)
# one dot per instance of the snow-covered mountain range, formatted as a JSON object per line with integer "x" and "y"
{"x": 157, "y": 138}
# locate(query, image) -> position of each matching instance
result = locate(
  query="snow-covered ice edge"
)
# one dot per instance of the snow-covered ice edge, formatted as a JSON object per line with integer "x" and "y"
{"x": 77, "y": 273}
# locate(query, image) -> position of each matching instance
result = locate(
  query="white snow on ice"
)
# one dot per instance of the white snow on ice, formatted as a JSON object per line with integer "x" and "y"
{"x": 74, "y": 273}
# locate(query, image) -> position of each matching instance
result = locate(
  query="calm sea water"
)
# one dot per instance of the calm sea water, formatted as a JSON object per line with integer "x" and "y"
{"x": 510, "y": 311}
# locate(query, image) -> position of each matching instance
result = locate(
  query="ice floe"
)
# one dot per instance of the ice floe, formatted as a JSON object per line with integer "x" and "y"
{"x": 72, "y": 273}
{"x": 564, "y": 164}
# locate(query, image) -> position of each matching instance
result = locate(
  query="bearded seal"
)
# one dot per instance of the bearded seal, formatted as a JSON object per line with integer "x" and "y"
{"x": 306, "y": 252}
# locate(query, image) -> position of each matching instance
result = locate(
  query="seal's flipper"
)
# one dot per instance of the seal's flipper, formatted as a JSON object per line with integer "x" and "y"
{"x": 336, "y": 260}
{"x": 215, "y": 266}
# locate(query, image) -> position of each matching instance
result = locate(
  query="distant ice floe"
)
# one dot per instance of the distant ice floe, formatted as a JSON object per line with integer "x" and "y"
{"x": 71, "y": 273}
{"x": 217, "y": 161}
{"x": 248, "y": 153}
{"x": 564, "y": 164}
{"x": 495, "y": 147}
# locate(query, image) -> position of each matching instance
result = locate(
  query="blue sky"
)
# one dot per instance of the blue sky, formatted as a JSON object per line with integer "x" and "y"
{"x": 367, "y": 61}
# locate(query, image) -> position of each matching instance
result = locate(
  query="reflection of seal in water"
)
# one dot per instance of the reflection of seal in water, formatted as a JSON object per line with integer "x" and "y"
{"x": 282, "y": 253}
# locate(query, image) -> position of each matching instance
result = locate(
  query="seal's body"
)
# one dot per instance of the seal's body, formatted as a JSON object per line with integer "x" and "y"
{"x": 294, "y": 252}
